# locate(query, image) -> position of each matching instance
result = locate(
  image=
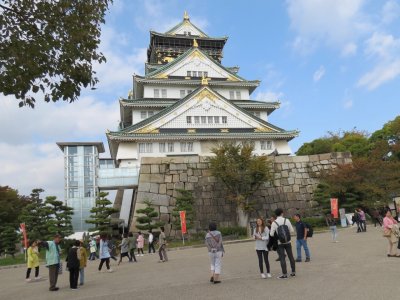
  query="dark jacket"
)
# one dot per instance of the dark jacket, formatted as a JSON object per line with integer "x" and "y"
{"x": 73, "y": 261}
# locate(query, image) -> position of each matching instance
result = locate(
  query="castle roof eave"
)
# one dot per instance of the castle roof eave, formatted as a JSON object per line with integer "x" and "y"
{"x": 188, "y": 37}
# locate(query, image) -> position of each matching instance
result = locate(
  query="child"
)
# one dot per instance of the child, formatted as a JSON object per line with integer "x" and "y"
{"x": 33, "y": 261}
{"x": 140, "y": 244}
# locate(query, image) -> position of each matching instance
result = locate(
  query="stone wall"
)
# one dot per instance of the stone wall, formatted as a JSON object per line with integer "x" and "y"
{"x": 295, "y": 178}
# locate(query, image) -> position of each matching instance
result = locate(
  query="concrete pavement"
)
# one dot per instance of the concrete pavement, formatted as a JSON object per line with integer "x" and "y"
{"x": 354, "y": 268}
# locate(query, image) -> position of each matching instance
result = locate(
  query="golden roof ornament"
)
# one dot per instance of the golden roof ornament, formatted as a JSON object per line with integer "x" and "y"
{"x": 204, "y": 81}
{"x": 195, "y": 44}
{"x": 186, "y": 16}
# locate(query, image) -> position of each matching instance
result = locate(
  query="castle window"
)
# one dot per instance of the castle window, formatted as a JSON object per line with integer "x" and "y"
{"x": 196, "y": 120}
{"x": 231, "y": 95}
{"x": 203, "y": 120}
{"x": 156, "y": 93}
{"x": 216, "y": 120}
{"x": 170, "y": 147}
{"x": 269, "y": 145}
{"x": 143, "y": 114}
{"x": 145, "y": 147}
{"x": 205, "y": 74}
{"x": 161, "y": 147}
{"x": 182, "y": 93}
{"x": 186, "y": 146}
{"x": 210, "y": 120}
{"x": 189, "y": 74}
{"x": 189, "y": 119}
{"x": 194, "y": 73}
{"x": 263, "y": 145}
{"x": 164, "y": 93}
{"x": 200, "y": 73}
{"x": 189, "y": 91}
{"x": 150, "y": 113}
{"x": 256, "y": 113}
{"x": 238, "y": 95}
{"x": 224, "y": 120}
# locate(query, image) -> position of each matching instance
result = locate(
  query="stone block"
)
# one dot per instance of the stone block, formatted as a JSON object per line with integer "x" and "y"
{"x": 172, "y": 201}
{"x": 163, "y": 209}
{"x": 287, "y": 189}
{"x": 177, "y": 167}
{"x": 193, "y": 179}
{"x": 190, "y": 172}
{"x": 163, "y": 168}
{"x": 139, "y": 206}
{"x": 324, "y": 162}
{"x": 155, "y": 169}
{"x": 144, "y": 187}
{"x": 175, "y": 178}
{"x": 285, "y": 166}
{"x": 144, "y": 178}
{"x": 164, "y": 218}
{"x": 296, "y": 188}
{"x": 170, "y": 186}
{"x": 161, "y": 200}
{"x": 325, "y": 156}
{"x": 290, "y": 181}
{"x": 157, "y": 178}
{"x": 183, "y": 177}
{"x": 196, "y": 172}
{"x": 145, "y": 169}
{"x": 189, "y": 186}
{"x": 162, "y": 189}
{"x": 285, "y": 174}
{"x": 150, "y": 160}
{"x": 154, "y": 187}
{"x": 142, "y": 196}
{"x": 179, "y": 186}
{"x": 167, "y": 178}
{"x": 302, "y": 158}
{"x": 202, "y": 166}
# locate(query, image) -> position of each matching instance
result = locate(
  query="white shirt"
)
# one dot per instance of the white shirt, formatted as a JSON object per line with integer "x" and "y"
{"x": 151, "y": 237}
{"x": 280, "y": 221}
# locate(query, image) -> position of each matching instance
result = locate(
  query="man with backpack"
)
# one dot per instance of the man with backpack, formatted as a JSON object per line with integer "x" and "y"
{"x": 301, "y": 238}
{"x": 283, "y": 228}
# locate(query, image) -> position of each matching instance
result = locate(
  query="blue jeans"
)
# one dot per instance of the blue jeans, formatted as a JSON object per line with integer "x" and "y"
{"x": 303, "y": 243}
{"x": 81, "y": 275}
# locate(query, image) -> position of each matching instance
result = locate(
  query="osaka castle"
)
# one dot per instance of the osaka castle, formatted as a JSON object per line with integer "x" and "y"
{"x": 188, "y": 101}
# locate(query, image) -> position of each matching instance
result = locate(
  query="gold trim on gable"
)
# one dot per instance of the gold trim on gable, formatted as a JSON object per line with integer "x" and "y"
{"x": 148, "y": 129}
{"x": 191, "y": 130}
{"x": 224, "y": 130}
{"x": 262, "y": 129}
{"x": 162, "y": 76}
{"x": 231, "y": 78}
{"x": 205, "y": 94}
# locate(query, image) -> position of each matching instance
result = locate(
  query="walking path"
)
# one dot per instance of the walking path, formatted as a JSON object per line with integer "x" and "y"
{"x": 354, "y": 268}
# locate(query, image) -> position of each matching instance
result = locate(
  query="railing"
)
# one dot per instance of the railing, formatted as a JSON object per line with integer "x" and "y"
{"x": 118, "y": 177}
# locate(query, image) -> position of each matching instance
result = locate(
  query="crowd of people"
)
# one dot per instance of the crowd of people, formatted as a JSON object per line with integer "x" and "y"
{"x": 271, "y": 235}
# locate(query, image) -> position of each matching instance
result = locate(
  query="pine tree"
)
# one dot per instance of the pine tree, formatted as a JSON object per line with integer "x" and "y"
{"x": 8, "y": 240}
{"x": 101, "y": 214}
{"x": 147, "y": 222}
{"x": 184, "y": 201}
{"x": 61, "y": 215}
{"x": 35, "y": 215}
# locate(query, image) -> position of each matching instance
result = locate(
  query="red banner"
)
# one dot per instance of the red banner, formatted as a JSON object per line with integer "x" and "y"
{"x": 335, "y": 207}
{"x": 23, "y": 230}
{"x": 182, "y": 214}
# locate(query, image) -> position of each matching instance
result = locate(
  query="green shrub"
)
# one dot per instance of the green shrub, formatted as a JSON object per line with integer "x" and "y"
{"x": 235, "y": 230}
{"x": 315, "y": 222}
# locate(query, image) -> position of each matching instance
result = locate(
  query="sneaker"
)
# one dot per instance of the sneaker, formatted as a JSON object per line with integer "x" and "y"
{"x": 161, "y": 261}
{"x": 293, "y": 274}
{"x": 212, "y": 279}
{"x": 81, "y": 283}
{"x": 54, "y": 289}
{"x": 282, "y": 277}
{"x": 263, "y": 276}
{"x": 74, "y": 289}
{"x": 216, "y": 282}
{"x": 28, "y": 280}
{"x": 38, "y": 278}
{"x": 307, "y": 259}
{"x": 298, "y": 260}
{"x": 110, "y": 270}
{"x": 269, "y": 275}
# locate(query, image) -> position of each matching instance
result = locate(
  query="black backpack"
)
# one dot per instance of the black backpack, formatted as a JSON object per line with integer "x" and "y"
{"x": 310, "y": 230}
{"x": 283, "y": 233}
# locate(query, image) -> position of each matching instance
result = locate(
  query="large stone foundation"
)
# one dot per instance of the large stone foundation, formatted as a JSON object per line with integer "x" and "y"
{"x": 295, "y": 178}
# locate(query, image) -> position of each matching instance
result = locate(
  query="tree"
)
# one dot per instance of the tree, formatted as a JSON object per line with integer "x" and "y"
{"x": 35, "y": 215}
{"x": 101, "y": 214}
{"x": 8, "y": 240}
{"x": 61, "y": 215}
{"x": 147, "y": 222}
{"x": 49, "y": 47}
{"x": 184, "y": 201}
{"x": 11, "y": 204}
{"x": 242, "y": 173}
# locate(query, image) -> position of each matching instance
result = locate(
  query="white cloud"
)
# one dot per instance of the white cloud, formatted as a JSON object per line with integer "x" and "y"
{"x": 383, "y": 45}
{"x": 318, "y": 74}
{"x": 380, "y": 74}
{"x": 332, "y": 22}
{"x": 348, "y": 103}
{"x": 390, "y": 11}
{"x": 349, "y": 49}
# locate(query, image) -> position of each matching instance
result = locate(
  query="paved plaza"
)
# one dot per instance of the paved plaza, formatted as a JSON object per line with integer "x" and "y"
{"x": 354, "y": 268}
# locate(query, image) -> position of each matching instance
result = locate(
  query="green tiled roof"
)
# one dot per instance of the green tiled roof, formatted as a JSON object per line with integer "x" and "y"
{"x": 191, "y": 37}
{"x": 184, "y": 55}
{"x": 181, "y": 102}
{"x": 181, "y": 23}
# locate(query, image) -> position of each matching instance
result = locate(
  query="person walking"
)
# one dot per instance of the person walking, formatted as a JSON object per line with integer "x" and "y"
{"x": 151, "y": 242}
{"x": 162, "y": 250}
{"x": 376, "y": 217}
{"x": 261, "y": 235}
{"x": 216, "y": 251}
{"x": 33, "y": 261}
{"x": 357, "y": 219}
{"x": 124, "y": 248}
{"x": 390, "y": 228}
{"x": 140, "y": 243}
{"x": 104, "y": 253}
{"x": 93, "y": 249}
{"x": 82, "y": 262}
{"x": 132, "y": 246}
{"x": 73, "y": 265}
{"x": 52, "y": 260}
{"x": 331, "y": 222}
{"x": 283, "y": 228}
{"x": 363, "y": 220}
{"x": 301, "y": 238}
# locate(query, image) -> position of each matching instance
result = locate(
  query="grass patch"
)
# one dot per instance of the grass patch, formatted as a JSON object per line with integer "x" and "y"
{"x": 9, "y": 260}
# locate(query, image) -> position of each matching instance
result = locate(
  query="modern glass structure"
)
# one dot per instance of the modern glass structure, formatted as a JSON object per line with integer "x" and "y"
{"x": 80, "y": 177}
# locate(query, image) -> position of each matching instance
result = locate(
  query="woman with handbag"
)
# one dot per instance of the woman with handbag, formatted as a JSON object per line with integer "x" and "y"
{"x": 215, "y": 251}
{"x": 389, "y": 224}
{"x": 261, "y": 236}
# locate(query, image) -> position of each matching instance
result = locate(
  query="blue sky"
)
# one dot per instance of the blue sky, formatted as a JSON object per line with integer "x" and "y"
{"x": 333, "y": 64}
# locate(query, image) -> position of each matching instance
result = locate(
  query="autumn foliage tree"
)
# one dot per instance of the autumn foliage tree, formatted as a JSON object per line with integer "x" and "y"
{"x": 242, "y": 173}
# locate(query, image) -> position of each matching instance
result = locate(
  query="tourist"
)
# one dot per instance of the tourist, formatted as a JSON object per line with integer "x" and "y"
{"x": 132, "y": 246}
{"x": 331, "y": 222}
{"x": 151, "y": 242}
{"x": 33, "y": 261}
{"x": 301, "y": 238}
{"x": 261, "y": 235}
{"x": 53, "y": 260}
{"x": 104, "y": 253}
{"x": 377, "y": 217}
{"x": 283, "y": 228}
{"x": 162, "y": 250}
{"x": 140, "y": 244}
{"x": 83, "y": 263}
{"x": 124, "y": 248}
{"x": 357, "y": 220}
{"x": 73, "y": 265}
{"x": 363, "y": 220}
{"x": 112, "y": 247}
{"x": 391, "y": 231}
{"x": 215, "y": 251}
{"x": 93, "y": 249}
